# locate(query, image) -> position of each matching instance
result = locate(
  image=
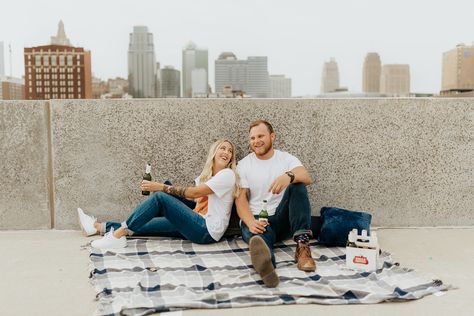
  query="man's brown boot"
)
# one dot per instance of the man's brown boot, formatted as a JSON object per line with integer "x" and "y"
{"x": 262, "y": 261}
{"x": 303, "y": 258}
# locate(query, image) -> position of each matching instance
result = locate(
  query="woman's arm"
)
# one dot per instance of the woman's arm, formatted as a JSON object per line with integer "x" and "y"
{"x": 186, "y": 192}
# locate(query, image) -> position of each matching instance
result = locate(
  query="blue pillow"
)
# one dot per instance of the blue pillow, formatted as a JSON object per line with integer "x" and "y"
{"x": 338, "y": 222}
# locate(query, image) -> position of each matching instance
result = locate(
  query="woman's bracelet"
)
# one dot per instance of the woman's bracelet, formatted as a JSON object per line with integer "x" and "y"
{"x": 174, "y": 190}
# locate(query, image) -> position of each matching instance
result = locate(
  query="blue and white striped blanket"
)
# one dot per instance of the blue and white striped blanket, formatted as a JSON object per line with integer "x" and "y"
{"x": 162, "y": 274}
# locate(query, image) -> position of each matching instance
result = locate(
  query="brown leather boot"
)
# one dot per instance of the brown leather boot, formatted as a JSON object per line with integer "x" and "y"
{"x": 303, "y": 258}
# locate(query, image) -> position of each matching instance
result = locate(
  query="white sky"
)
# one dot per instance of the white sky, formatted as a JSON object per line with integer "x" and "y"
{"x": 296, "y": 35}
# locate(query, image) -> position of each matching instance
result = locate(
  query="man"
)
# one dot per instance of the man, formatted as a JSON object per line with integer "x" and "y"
{"x": 280, "y": 178}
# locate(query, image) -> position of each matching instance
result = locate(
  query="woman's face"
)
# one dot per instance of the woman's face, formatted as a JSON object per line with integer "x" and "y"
{"x": 223, "y": 155}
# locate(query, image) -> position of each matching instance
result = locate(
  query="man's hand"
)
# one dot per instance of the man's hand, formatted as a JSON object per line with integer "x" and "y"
{"x": 151, "y": 186}
{"x": 256, "y": 227}
{"x": 279, "y": 184}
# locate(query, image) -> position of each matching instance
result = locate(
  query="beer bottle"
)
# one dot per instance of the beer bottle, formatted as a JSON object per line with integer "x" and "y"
{"x": 147, "y": 176}
{"x": 263, "y": 215}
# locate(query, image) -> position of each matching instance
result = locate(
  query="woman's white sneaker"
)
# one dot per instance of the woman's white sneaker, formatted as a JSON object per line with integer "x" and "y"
{"x": 87, "y": 222}
{"x": 109, "y": 241}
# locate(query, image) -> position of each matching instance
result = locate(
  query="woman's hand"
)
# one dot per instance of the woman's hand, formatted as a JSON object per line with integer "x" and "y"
{"x": 151, "y": 186}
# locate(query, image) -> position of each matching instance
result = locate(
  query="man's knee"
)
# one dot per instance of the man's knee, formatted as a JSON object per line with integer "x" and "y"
{"x": 298, "y": 188}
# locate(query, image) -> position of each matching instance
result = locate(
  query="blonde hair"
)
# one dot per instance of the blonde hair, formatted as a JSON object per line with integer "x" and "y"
{"x": 206, "y": 173}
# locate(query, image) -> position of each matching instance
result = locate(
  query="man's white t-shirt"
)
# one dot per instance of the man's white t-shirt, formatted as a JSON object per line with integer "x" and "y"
{"x": 257, "y": 175}
{"x": 220, "y": 202}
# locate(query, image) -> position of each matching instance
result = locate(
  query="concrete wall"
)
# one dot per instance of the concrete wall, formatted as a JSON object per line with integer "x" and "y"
{"x": 24, "y": 181}
{"x": 409, "y": 162}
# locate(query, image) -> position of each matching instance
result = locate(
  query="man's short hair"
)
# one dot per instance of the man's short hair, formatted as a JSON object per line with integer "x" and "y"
{"x": 258, "y": 122}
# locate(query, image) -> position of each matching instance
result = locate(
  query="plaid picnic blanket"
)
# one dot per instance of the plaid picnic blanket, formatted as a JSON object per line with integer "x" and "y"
{"x": 162, "y": 274}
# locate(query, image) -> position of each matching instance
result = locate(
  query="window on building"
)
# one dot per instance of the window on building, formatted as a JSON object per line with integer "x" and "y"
{"x": 54, "y": 60}
{"x": 31, "y": 90}
{"x": 46, "y": 76}
{"x": 70, "y": 83}
{"x": 46, "y": 96}
{"x": 38, "y": 60}
{"x": 46, "y": 60}
{"x": 38, "y": 76}
{"x": 63, "y": 96}
{"x": 55, "y": 96}
{"x": 69, "y": 60}
{"x": 61, "y": 60}
{"x": 46, "y": 89}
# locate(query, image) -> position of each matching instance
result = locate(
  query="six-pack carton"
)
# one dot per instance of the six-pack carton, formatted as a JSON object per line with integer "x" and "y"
{"x": 362, "y": 251}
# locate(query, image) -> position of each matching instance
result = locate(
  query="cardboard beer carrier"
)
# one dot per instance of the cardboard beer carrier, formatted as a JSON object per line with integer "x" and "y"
{"x": 362, "y": 251}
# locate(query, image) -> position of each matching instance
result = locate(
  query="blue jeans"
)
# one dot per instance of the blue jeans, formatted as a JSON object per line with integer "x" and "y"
{"x": 292, "y": 218}
{"x": 165, "y": 215}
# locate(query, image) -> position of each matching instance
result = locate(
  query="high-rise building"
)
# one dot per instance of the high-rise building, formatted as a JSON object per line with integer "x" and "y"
{"x": 194, "y": 58}
{"x": 2, "y": 60}
{"x": 330, "y": 77}
{"x": 249, "y": 76}
{"x": 395, "y": 80}
{"x": 458, "y": 70}
{"x": 57, "y": 72}
{"x": 371, "y": 73}
{"x": 280, "y": 86}
{"x": 170, "y": 82}
{"x": 199, "y": 82}
{"x": 11, "y": 88}
{"x": 141, "y": 63}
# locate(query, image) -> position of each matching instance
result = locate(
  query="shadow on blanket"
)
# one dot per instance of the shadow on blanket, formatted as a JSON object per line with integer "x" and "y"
{"x": 162, "y": 274}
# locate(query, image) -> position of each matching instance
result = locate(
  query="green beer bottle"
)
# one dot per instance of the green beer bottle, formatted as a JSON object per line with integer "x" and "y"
{"x": 263, "y": 215}
{"x": 147, "y": 176}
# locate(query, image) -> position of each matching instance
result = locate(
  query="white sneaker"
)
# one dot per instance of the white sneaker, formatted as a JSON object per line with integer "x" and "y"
{"x": 110, "y": 241}
{"x": 87, "y": 223}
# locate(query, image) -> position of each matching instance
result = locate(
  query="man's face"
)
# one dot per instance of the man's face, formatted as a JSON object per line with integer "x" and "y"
{"x": 261, "y": 141}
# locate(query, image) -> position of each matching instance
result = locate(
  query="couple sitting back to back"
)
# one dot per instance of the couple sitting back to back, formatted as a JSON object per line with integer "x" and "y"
{"x": 265, "y": 174}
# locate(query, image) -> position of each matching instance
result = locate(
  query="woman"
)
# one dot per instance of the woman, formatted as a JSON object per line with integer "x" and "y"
{"x": 165, "y": 213}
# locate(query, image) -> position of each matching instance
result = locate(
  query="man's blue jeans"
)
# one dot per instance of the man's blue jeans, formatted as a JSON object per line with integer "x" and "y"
{"x": 292, "y": 218}
{"x": 164, "y": 215}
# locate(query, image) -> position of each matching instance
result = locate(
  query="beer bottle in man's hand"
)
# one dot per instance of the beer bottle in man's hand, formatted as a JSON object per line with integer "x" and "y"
{"x": 147, "y": 176}
{"x": 263, "y": 216}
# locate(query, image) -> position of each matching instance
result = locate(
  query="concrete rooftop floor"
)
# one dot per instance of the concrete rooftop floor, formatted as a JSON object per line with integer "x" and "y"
{"x": 45, "y": 272}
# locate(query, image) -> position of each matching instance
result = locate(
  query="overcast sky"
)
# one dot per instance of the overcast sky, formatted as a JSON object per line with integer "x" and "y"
{"x": 298, "y": 36}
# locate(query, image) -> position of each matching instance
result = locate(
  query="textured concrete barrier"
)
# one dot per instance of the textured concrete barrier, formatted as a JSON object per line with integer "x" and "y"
{"x": 409, "y": 162}
{"x": 24, "y": 185}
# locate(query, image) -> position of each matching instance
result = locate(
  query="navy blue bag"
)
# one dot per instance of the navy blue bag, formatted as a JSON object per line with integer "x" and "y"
{"x": 338, "y": 222}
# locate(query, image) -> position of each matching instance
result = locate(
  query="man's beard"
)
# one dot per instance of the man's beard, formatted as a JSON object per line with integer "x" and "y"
{"x": 266, "y": 149}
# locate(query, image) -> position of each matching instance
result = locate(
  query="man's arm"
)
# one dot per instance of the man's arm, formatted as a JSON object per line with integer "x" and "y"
{"x": 246, "y": 215}
{"x": 282, "y": 181}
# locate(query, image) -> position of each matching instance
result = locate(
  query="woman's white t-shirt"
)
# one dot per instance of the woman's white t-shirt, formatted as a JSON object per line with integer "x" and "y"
{"x": 220, "y": 202}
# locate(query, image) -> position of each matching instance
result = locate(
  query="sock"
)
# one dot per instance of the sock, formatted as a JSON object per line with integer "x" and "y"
{"x": 303, "y": 238}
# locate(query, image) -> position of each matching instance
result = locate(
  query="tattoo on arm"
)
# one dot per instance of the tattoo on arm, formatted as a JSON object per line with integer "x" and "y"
{"x": 175, "y": 190}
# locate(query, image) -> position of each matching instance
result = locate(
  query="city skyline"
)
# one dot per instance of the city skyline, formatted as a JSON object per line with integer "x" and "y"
{"x": 296, "y": 37}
